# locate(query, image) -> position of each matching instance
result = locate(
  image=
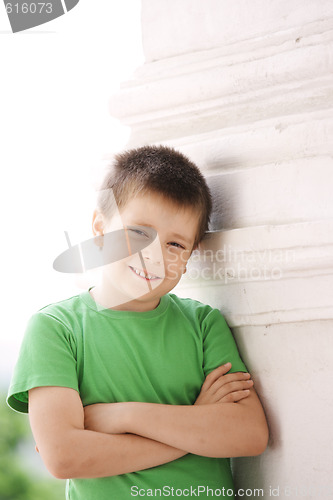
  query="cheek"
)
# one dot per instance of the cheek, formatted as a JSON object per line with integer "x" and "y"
{"x": 175, "y": 262}
{"x": 116, "y": 269}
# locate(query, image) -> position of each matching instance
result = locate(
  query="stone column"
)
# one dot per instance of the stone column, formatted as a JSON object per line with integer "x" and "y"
{"x": 245, "y": 90}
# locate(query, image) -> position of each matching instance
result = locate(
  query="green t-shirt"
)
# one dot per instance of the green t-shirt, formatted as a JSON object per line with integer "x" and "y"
{"x": 158, "y": 356}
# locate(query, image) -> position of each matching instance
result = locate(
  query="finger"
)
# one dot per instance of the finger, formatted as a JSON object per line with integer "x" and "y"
{"x": 227, "y": 379}
{"x": 215, "y": 374}
{"x": 232, "y": 388}
{"x": 233, "y": 397}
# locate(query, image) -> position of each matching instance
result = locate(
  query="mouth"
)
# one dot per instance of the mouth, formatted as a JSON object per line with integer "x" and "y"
{"x": 144, "y": 274}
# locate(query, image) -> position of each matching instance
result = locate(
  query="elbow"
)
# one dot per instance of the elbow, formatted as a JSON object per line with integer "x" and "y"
{"x": 259, "y": 440}
{"x": 62, "y": 471}
{"x": 251, "y": 443}
{"x": 59, "y": 473}
{"x": 60, "y": 464}
{"x": 59, "y": 470}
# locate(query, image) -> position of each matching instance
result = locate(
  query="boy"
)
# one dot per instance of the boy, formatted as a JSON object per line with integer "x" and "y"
{"x": 127, "y": 384}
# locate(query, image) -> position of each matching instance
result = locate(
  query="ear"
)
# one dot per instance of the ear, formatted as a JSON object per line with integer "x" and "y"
{"x": 97, "y": 223}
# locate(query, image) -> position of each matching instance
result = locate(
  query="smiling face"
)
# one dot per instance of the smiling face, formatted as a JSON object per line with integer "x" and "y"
{"x": 137, "y": 282}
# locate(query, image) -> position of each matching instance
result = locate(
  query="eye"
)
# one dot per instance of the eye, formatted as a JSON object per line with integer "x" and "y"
{"x": 139, "y": 232}
{"x": 176, "y": 245}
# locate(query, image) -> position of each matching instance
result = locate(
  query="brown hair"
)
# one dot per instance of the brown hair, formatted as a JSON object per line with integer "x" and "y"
{"x": 159, "y": 169}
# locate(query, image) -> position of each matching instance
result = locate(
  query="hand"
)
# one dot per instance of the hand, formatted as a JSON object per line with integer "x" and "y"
{"x": 106, "y": 417}
{"x": 219, "y": 387}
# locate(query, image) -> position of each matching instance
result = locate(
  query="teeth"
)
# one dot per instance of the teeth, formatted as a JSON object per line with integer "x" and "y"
{"x": 142, "y": 274}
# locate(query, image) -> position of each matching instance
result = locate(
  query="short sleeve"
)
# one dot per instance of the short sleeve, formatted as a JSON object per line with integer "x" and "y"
{"x": 47, "y": 358}
{"x": 219, "y": 346}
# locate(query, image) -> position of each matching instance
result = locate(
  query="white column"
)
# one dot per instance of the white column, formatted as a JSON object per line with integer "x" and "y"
{"x": 245, "y": 90}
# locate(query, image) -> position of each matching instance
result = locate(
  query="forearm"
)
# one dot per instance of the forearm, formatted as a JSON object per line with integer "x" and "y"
{"x": 70, "y": 451}
{"x": 215, "y": 430}
{"x": 89, "y": 454}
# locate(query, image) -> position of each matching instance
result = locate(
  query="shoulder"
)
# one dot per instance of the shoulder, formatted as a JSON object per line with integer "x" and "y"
{"x": 63, "y": 312}
{"x": 48, "y": 353}
{"x": 65, "y": 307}
{"x": 57, "y": 316}
{"x": 188, "y": 303}
{"x": 195, "y": 309}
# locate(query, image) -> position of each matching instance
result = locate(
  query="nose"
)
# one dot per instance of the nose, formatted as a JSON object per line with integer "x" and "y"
{"x": 153, "y": 252}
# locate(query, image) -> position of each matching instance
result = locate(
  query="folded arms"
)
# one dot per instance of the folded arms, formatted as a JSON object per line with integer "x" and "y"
{"x": 101, "y": 440}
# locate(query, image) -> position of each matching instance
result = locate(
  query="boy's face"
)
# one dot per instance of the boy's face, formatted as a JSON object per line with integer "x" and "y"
{"x": 138, "y": 282}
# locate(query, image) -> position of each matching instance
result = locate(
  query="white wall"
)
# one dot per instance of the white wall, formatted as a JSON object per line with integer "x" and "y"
{"x": 245, "y": 89}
